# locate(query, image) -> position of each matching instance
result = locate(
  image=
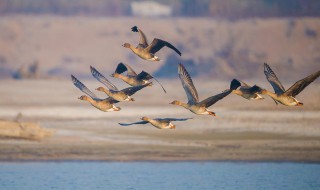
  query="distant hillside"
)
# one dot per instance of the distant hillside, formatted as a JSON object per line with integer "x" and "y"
{"x": 219, "y": 48}
{"x": 233, "y": 9}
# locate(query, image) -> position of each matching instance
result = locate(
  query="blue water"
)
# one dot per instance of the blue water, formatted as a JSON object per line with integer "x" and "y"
{"x": 158, "y": 175}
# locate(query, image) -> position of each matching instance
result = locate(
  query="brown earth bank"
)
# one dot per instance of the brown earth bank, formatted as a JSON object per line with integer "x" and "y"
{"x": 243, "y": 130}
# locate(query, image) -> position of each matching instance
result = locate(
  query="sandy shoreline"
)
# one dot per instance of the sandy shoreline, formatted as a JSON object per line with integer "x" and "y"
{"x": 244, "y": 131}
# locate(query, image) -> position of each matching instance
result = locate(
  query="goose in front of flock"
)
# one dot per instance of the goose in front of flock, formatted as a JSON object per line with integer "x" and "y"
{"x": 193, "y": 103}
{"x": 286, "y": 97}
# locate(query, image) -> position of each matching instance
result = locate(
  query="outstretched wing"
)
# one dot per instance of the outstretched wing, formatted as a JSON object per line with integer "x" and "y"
{"x": 143, "y": 42}
{"x": 144, "y": 76}
{"x": 131, "y": 90}
{"x": 173, "y": 119}
{"x": 301, "y": 84}
{"x": 242, "y": 83}
{"x": 157, "y": 44}
{"x": 188, "y": 85}
{"x": 139, "y": 122}
{"x": 213, "y": 99}
{"x": 102, "y": 79}
{"x": 124, "y": 67}
{"x": 273, "y": 80}
{"x": 82, "y": 87}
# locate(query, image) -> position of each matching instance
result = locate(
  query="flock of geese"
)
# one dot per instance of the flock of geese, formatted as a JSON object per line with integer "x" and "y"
{"x": 143, "y": 79}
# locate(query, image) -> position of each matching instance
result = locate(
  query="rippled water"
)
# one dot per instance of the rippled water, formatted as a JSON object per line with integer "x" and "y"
{"x": 159, "y": 175}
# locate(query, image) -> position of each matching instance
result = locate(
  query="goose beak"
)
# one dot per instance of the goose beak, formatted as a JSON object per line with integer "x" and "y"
{"x": 112, "y": 75}
{"x": 299, "y": 104}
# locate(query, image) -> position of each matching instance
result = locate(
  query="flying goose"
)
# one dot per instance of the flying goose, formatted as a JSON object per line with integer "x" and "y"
{"x": 247, "y": 91}
{"x": 286, "y": 97}
{"x": 147, "y": 51}
{"x": 113, "y": 92}
{"x": 101, "y": 104}
{"x": 193, "y": 104}
{"x": 132, "y": 78}
{"x": 160, "y": 123}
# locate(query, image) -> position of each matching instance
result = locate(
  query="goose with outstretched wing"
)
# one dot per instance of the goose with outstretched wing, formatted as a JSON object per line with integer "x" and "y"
{"x": 101, "y": 104}
{"x": 160, "y": 123}
{"x": 132, "y": 78}
{"x": 193, "y": 103}
{"x": 248, "y": 92}
{"x": 286, "y": 97}
{"x": 112, "y": 91}
{"x": 147, "y": 51}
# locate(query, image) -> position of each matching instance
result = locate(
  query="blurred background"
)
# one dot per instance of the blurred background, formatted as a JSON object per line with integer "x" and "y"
{"x": 220, "y": 38}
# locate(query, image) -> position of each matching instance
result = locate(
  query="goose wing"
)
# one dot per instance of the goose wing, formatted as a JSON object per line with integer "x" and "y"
{"x": 213, "y": 99}
{"x": 157, "y": 44}
{"x": 102, "y": 79}
{"x": 301, "y": 84}
{"x": 139, "y": 122}
{"x": 188, "y": 85}
{"x": 143, "y": 42}
{"x": 82, "y": 87}
{"x": 243, "y": 83}
{"x": 131, "y": 90}
{"x": 146, "y": 76}
{"x": 124, "y": 67}
{"x": 273, "y": 80}
{"x": 173, "y": 119}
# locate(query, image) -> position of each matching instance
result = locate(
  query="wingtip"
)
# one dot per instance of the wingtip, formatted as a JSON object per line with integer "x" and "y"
{"x": 234, "y": 84}
{"x": 134, "y": 29}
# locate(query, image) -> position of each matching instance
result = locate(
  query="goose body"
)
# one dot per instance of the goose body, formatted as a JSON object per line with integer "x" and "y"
{"x": 248, "y": 92}
{"x": 147, "y": 51}
{"x": 160, "y": 123}
{"x": 286, "y": 97}
{"x": 112, "y": 91}
{"x": 132, "y": 78}
{"x": 200, "y": 108}
{"x": 105, "y": 105}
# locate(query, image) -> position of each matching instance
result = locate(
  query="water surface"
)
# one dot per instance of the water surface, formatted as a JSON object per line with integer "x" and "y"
{"x": 159, "y": 175}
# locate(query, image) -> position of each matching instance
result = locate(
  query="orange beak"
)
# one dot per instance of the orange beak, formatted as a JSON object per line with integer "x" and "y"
{"x": 299, "y": 104}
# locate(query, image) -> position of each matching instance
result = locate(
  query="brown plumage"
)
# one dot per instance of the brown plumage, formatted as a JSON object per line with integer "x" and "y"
{"x": 286, "y": 97}
{"x": 146, "y": 51}
{"x": 112, "y": 91}
{"x": 160, "y": 123}
{"x": 193, "y": 101}
{"x": 101, "y": 104}
{"x": 132, "y": 78}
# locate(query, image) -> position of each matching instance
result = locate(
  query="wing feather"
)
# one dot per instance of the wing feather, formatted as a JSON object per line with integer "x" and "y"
{"x": 82, "y": 87}
{"x": 157, "y": 44}
{"x": 143, "y": 42}
{"x": 139, "y": 122}
{"x": 273, "y": 80}
{"x": 188, "y": 85}
{"x": 96, "y": 74}
{"x": 213, "y": 99}
{"x": 301, "y": 84}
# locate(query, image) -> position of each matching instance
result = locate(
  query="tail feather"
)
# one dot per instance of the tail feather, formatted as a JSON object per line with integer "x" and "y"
{"x": 134, "y": 29}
